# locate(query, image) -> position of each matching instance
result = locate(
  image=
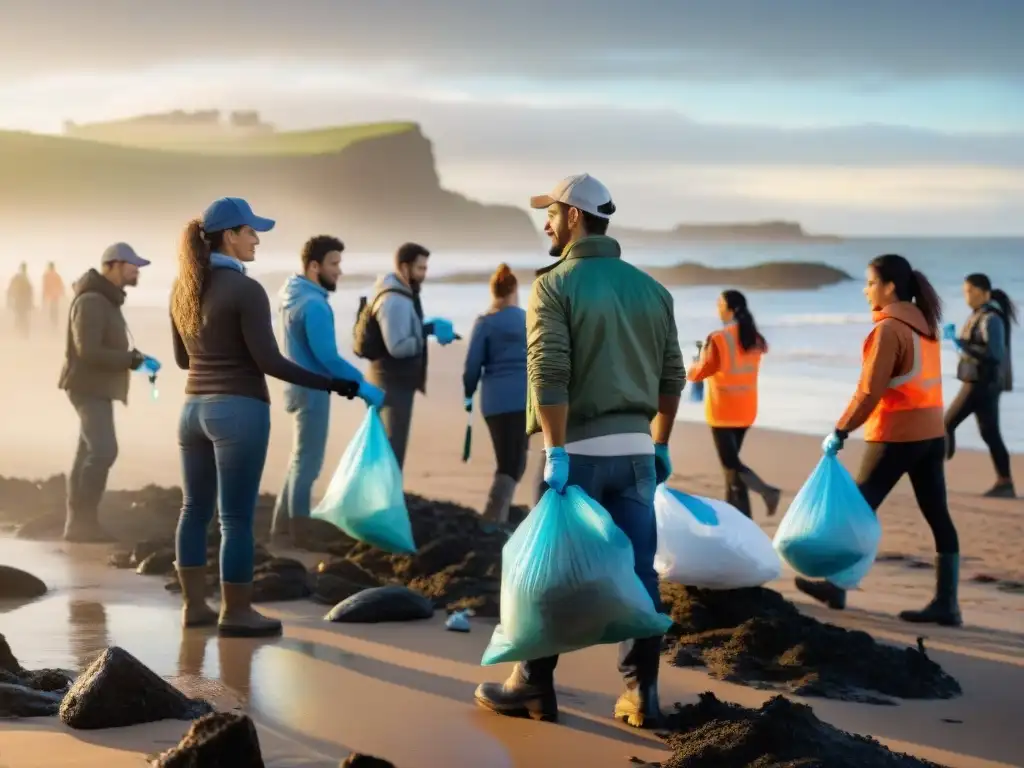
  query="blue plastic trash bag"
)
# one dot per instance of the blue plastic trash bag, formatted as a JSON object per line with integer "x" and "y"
{"x": 829, "y": 531}
{"x": 568, "y": 582}
{"x": 696, "y": 389}
{"x": 365, "y": 498}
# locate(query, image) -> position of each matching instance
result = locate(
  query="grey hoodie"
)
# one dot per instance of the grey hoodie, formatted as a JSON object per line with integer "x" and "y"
{"x": 400, "y": 316}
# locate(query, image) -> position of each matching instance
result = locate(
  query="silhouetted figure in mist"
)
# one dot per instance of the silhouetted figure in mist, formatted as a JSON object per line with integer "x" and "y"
{"x": 19, "y": 300}
{"x": 53, "y": 294}
{"x": 98, "y": 360}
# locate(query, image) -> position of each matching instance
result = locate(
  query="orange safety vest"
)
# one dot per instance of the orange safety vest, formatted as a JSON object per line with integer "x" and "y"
{"x": 731, "y": 397}
{"x": 920, "y": 387}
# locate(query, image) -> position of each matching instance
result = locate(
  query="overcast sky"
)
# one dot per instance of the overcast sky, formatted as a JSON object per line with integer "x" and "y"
{"x": 877, "y": 116}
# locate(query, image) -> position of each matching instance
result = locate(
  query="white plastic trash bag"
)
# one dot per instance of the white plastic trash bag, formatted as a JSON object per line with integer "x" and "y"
{"x": 708, "y": 543}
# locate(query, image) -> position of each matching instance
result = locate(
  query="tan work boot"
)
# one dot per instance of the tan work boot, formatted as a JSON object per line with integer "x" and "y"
{"x": 237, "y": 617}
{"x": 194, "y": 610}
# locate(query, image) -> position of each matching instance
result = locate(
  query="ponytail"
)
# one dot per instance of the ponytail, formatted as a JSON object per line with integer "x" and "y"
{"x": 1006, "y": 306}
{"x": 503, "y": 282}
{"x": 750, "y": 337}
{"x": 193, "y": 268}
{"x": 927, "y": 300}
{"x": 910, "y": 285}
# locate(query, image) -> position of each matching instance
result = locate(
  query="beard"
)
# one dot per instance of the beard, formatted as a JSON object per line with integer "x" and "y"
{"x": 328, "y": 285}
{"x": 415, "y": 286}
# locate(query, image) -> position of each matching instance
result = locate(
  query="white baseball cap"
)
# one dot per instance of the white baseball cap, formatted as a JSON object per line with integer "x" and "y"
{"x": 582, "y": 191}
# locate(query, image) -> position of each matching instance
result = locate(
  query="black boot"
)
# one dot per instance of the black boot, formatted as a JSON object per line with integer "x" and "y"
{"x": 944, "y": 609}
{"x": 736, "y": 493}
{"x": 824, "y": 592}
{"x": 517, "y": 698}
{"x": 771, "y": 495}
{"x": 640, "y": 707}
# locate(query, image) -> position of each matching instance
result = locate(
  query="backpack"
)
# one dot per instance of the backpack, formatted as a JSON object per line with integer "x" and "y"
{"x": 367, "y": 337}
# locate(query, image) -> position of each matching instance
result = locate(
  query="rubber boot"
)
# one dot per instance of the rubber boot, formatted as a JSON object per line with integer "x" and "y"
{"x": 237, "y": 617}
{"x": 194, "y": 610}
{"x": 824, "y": 592}
{"x": 83, "y": 527}
{"x": 736, "y": 492}
{"x": 769, "y": 493}
{"x": 517, "y": 698}
{"x": 499, "y": 499}
{"x": 640, "y": 707}
{"x": 944, "y": 609}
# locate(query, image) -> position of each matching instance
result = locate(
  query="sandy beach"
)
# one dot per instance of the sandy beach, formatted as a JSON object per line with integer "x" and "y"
{"x": 404, "y": 692}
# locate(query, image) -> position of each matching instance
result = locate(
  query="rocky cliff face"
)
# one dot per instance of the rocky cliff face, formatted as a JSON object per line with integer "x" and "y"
{"x": 373, "y": 194}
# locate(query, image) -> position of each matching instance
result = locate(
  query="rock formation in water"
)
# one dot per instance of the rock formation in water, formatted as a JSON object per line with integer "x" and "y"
{"x": 755, "y": 231}
{"x": 27, "y": 693}
{"x": 119, "y": 690}
{"x": 16, "y": 584}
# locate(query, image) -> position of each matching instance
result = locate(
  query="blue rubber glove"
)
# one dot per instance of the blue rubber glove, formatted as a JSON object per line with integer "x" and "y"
{"x": 556, "y": 469}
{"x": 662, "y": 463}
{"x": 441, "y": 330}
{"x": 949, "y": 332}
{"x": 468, "y": 403}
{"x": 150, "y": 365}
{"x": 370, "y": 394}
{"x": 833, "y": 443}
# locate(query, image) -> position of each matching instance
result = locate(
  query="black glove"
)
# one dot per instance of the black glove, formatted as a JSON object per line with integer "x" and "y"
{"x": 428, "y": 329}
{"x": 345, "y": 387}
{"x": 137, "y": 359}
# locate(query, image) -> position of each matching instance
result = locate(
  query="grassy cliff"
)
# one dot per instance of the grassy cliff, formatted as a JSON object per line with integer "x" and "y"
{"x": 373, "y": 185}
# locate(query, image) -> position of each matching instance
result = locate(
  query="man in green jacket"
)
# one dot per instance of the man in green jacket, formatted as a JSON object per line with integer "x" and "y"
{"x": 605, "y": 374}
{"x": 98, "y": 357}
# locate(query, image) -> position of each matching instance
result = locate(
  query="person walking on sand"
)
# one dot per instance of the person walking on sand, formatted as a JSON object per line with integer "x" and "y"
{"x": 53, "y": 293}
{"x": 310, "y": 341}
{"x": 223, "y": 337}
{"x": 19, "y": 300}
{"x": 391, "y": 333}
{"x": 99, "y": 355}
{"x": 986, "y": 370}
{"x": 730, "y": 361}
{"x": 496, "y": 362}
{"x": 899, "y": 404}
{"x": 605, "y": 371}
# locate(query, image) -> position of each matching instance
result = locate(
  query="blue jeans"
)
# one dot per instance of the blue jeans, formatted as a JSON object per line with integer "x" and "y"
{"x": 623, "y": 485}
{"x": 223, "y": 440}
{"x": 312, "y": 411}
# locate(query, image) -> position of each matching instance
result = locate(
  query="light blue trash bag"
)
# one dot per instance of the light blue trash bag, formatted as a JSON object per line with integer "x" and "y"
{"x": 365, "y": 498}
{"x": 829, "y": 531}
{"x": 568, "y": 582}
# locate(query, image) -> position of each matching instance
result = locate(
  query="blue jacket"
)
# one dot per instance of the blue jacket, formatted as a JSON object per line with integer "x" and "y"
{"x": 308, "y": 323}
{"x": 497, "y": 355}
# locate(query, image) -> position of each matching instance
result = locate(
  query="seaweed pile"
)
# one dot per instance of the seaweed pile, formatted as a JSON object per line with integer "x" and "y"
{"x": 758, "y": 638}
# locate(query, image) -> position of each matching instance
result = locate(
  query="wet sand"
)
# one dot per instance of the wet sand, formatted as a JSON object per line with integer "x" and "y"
{"x": 325, "y": 690}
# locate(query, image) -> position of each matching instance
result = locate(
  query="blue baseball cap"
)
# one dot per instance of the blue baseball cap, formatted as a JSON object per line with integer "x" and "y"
{"x": 231, "y": 212}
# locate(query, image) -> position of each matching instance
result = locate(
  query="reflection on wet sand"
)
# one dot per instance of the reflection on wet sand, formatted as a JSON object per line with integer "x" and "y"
{"x": 88, "y": 632}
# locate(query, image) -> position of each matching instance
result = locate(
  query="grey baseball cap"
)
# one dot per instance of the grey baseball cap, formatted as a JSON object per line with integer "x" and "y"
{"x": 124, "y": 253}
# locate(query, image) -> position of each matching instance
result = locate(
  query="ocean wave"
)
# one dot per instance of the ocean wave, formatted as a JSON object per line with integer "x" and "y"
{"x": 817, "y": 318}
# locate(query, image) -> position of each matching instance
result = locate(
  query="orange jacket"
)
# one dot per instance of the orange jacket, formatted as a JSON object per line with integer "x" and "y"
{"x": 731, "y": 375}
{"x": 899, "y": 398}
{"x": 53, "y": 287}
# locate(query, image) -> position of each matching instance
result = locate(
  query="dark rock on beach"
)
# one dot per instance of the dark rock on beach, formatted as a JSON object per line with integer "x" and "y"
{"x": 279, "y": 579}
{"x": 26, "y": 693}
{"x": 158, "y": 563}
{"x": 213, "y": 741}
{"x": 356, "y": 760}
{"x": 377, "y": 604}
{"x": 781, "y": 734}
{"x": 336, "y": 580}
{"x": 118, "y": 690}
{"x": 16, "y": 584}
{"x": 758, "y": 638}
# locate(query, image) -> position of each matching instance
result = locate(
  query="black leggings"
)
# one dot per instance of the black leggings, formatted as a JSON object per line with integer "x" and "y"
{"x": 728, "y": 442}
{"x": 983, "y": 401}
{"x": 508, "y": 433}
{"x": 924, "y": 462}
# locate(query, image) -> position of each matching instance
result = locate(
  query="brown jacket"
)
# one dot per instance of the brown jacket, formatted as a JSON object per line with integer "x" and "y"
{"x": 98, "y": 357}
{"x": 888, "y": 353}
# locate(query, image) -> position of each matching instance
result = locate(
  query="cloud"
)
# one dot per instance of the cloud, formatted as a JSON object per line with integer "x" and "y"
{"x": 724, "y": 39}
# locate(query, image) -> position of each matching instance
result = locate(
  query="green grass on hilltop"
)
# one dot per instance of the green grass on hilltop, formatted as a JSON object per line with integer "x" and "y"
{"x": 321, "y": 141}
